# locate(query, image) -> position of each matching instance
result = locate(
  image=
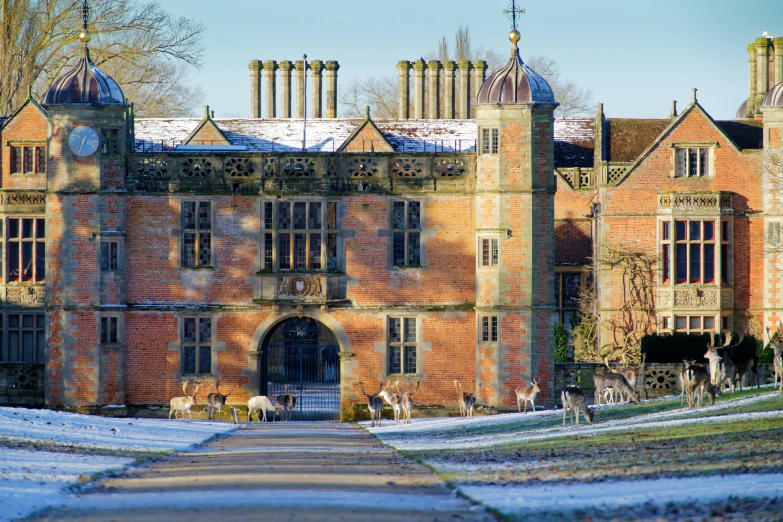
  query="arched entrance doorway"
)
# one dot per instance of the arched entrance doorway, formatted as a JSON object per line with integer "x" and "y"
{"x": 300, "y": 356}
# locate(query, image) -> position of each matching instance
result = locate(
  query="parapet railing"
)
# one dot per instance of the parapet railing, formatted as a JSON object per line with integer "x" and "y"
{"x": 271, "y": 146}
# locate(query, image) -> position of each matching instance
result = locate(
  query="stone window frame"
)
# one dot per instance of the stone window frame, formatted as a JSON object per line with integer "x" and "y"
{"x": 561, "y": 310}
{"x": 38, "y": 158}
{"x": 723, "y": 255}
{"x": 424, "y": 233}
{"x": 487, "y": 318}
{"x": 109, "y": 136}
{"x": 213, "y": 232}
{"x": 109, "y": 238}
{"x": 709, "y": 146}
{"x": 5, "y": 240}
{"x": 38, "y": 328}
{"x": 480, "y": 238}
{"x": 198, "y": 344}
{"x": 688, "y": 318}
{"x": 328, "y": 235}
{"x": 490, "y": 141}
{"x": 120, "y": 319}
{"x": 421, "y": 346}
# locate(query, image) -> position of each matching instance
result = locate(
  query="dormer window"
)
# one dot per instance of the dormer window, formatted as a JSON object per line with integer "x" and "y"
{"x": 693, "y": 162}
{"x": 490, "y": 141}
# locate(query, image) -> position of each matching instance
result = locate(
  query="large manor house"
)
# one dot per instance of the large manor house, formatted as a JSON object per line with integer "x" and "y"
{"x": 327, "y": 255}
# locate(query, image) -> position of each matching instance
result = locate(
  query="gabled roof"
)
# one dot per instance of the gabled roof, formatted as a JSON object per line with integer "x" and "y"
{"x": 367, "y": 131}
{"x": 626, "y": 139}
{"x": 208, "y": 125}
{"x": 30, "y": 100}
{"x": 746, "y": 134}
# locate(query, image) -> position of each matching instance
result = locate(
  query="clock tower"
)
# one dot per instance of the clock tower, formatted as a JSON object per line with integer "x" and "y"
{"x": 85, "y": 231}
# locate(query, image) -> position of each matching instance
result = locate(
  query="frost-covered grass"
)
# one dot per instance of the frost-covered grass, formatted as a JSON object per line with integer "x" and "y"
{"x": 43, "y": 452}
{"x": 631, "y": 454}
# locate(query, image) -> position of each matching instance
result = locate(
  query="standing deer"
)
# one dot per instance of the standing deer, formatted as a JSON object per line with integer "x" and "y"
{"x": 374, "y": 403}
{"x": 467, "y": 401}
{"x": 684, "y": 378}
{"x": 258, "y": 405}
{"x": 776, "y": 343}
{"x": 605, "y": 380}
{"x": 574, "y": 400}
{"x": 527, "y": 394}
{"x": 407, "y": 403}
{"x": 722, "y": 369}
{"x": 183, "y": 404}
{"x": 392, "y": 399}
{"x": 286, "y": 403}
{"x": 698, "y": 380}
{"x": 216, "y": 400}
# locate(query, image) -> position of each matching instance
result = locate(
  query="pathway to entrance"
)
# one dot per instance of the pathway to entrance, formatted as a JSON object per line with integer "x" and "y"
{"x": 310, "y": 472}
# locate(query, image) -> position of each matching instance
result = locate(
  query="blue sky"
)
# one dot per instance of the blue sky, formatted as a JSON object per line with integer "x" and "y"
{"x": 635, "y": 56}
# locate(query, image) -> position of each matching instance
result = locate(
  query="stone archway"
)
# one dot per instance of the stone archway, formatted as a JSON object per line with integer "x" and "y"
{"x": 271, "y": 326}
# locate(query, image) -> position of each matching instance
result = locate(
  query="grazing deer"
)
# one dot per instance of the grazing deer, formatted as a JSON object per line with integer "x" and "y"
{"x": 776, "y": 343}
{"x": 574, "y": 400}
{"x": 286, "y": 403}
{"x": 467, "y": 401}
{"x": 698, "y": 380}
{"x": 605, "y": 380}
{"x": 527, "y": 394}
{"x": 183, "y": 404}
{"x": 216, "y": 400}
{"x": 407, "y": 403}
{"x": 722, "y": 369}
{"x": 392, "y": 399}
{"x": 374, "y": 403}
{"x": 258, "y": 405}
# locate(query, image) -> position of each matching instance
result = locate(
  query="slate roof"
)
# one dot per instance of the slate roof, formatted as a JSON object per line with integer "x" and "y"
{"x": 747, "y": 134}
{"x": 2, "y": 120}
{"x": 626, "y": 139}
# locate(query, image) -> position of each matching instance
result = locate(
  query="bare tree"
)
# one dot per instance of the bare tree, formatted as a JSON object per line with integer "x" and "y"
{"x": 380, "y": 94}
{"x": 584, "y": 335}
{"x": 574, "y": 100}
{"x": 146, "y": 49}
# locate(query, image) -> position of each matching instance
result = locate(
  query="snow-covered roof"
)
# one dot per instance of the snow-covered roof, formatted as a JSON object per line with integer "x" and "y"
{"x": 326, "y": 135}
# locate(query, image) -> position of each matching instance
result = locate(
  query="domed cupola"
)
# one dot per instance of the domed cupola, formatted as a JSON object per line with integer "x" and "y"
{"x": 774, "y": 99}
{"x": 515, "y": 82}
{"x": 85, "y": 83}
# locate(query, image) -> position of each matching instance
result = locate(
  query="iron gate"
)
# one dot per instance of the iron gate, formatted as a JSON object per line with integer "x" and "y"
{"x": 302, "y": 366}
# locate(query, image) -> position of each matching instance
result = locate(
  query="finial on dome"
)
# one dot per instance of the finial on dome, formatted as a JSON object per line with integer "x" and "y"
{"x": 512, "y": 11}
{"x": 515, "y": 37}
{"x": 85, "y": 36}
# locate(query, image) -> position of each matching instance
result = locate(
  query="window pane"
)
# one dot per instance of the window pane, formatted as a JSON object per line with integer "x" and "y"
{"x": 13, "y": 228}
{"x": 682, "y": 263}
{"x": 485, "y": 252}
{"x": 485, "y": 329}
{"x": 189, "y": 330}
{"x": 571, "y": 290}
{"x": 40, "y": 321}
{"x": 704, "y": 162}
{"x": 692, "y": 162}
{"x": 410, "y": 359}
{"x": 204, "y": 359}
{"x": 40, "y": 228}
{"x": 495, "y": 252}
{"x": 113, "y": 336}
{"x": 414, "y": 215}
{"x": 284, "y": 251}
{"x": 269, "y": 223}
{"x": 495, "y": 140}
{"x": 331, "y": 217}
{"x": 681, "y": 229}
{"x": 205, "y": 249}
{"x": 40, "y": 346}
{"x": 188, "y": 359}
{"x": 204, "y": 215}
{"x": 28, "y": 321}
{"x": 27, "y": 261}
{"x": 725, "y": 231}
{"x": 189, "y": 249}
{"x": 16, "y": 164}
{"x": 104, "y": 256}
{"x": 40, "y": 261}
{"x": 709, "y": 323}
{"x": 666, "y": 323}
{"x": 205, "y": 330}
{"x": 398, "y": 215}
{"x": 331, "y": 251}
{"x": 695, "y": 227}
{"x": 14, "y": 354}
{"x": 695, "y": 263}
{"x": 414, "y": 249}
{"x": 394, "y": 359}
{"x": 398, "y": 248}
{"x": 485, "y": 141}
{"x": 666, "y": 235}
{"x": 681, "y": 322}
{"x": 724, "y": 263}
{"x": 410, "y": 330}
{"x": 315, "y": 251}
{"x": 666, "y": 263}
{"x": 494, "y": 329}
{"x": 40, "y": 160}
{"x": 28, "y": 159}
{"x": 315, "y": 215}
{"x": 394, "y": 330}
{"x": 13, "y": 321}
{"x": 709, "y": 263}
{"x": 13, "y": 261}
{"x": 114, "y": 255}
{"x": 300, "y": 251}
{"x": 284, "y": 215}
{"x": 104, "y": 330}
{"x": 28, "y": 347}
{"x": 695, "y": 323}
{"x": 189, "y": 215}
{"x": 27, "y": 228}
{"x": 268, "y": 251}
{"x": 300, "y": 215}
{"x": 709, "y": 231}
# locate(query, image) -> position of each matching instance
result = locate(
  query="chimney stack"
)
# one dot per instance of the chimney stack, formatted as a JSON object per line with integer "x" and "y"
{"x": 285, "y": 88}
{"x": 433, "y": 70}
{"x": 449, "y": 89}
{"x": 404, "y": 75}
{"x": 317, "y": 67}
{"x": 419, "y": 68}
{"x": 464, "y": 89}
{"x": 270, "y": 69}
{"x": 255, "y": 88}
{"x": 301, "y": 72}
{"x": 331, "y": 88}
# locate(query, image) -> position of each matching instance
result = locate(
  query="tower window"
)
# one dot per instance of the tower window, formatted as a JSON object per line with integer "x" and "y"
{"x": 406, "y": 233}
{"x": 693, "y": 162}
{"x": 490, "y": 251}
{"x": 197, "y": 234}
{"x": 27, "y": 160}
{"x": 110, "y": 141}
{"x": 490, "y": 141}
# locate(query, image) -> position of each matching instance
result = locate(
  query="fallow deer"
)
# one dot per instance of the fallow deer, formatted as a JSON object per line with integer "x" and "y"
{"x": 722, "y": 369}
{"x": 258, "y": 405}
{"x": 374, "y": 403}
{"x": 286, "y": 404}
{"x": 605, "y": 380}
{"x": 776, "y": 343}
{"x": 467, "y": 401}
{"x": 217, "y": 400}
{"x": 392, "y": 399}
{"x": 527, "y": 394}
{"x": 697, "y": 380}
{"x": 407, "y": 403}
{"x": 183, "y": 404}
{"x": 574, "y": 400}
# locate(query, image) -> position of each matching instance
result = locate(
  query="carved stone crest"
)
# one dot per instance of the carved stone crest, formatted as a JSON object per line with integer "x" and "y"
{"x": 26, "y": 296}
{"x": 299, "y": 286}
{"x": 695, "y": 297}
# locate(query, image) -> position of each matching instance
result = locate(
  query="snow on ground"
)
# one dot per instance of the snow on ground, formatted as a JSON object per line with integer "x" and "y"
{"x": 426, "y": 434}
{"x": 567, "y": 497}
{"x": 88, "y": 431}
{"x": 33, "y": 480}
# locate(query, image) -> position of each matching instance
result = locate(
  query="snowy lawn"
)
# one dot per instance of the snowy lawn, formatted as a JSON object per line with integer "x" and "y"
{"x": 649, "y": 454}
{"x": 32, "y": 477}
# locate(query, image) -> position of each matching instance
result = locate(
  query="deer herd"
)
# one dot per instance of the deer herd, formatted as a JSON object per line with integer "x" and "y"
{"x": 723, "y": 371}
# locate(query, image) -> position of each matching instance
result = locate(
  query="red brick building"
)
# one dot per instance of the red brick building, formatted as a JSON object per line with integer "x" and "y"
{"x": 138, "y": 254}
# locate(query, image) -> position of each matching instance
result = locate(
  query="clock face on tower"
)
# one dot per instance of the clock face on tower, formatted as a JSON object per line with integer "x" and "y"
{"x": 84, "y": 141}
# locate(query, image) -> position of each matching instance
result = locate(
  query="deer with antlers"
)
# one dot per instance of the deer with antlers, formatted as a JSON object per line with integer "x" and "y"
{"x": 407, "y": 402}
{"x": 776, "y": 343}
{"x": 527, "y": 394}
{"x": 183, "y": 404}
{"x": 217, "y": 400}
{"x": 722, "y": 369}
{"x": 392, "y": 399}
{"x": 374, "y": 403}
{"x": 467, "y": 400}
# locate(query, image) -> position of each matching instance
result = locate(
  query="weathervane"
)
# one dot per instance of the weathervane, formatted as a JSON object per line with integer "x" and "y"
{"x": 85, "y": 14}
{"x": 512, "y": 11}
